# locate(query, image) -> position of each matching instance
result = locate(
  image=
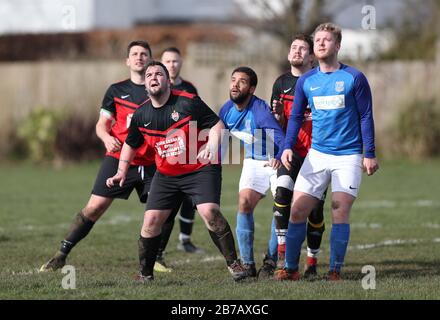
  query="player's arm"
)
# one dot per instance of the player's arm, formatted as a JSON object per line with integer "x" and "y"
{"x": 206, "y": 118}
{"x": 105, "y": 122}
{"x": 364, "y": 102}
{"x": 213, "y": 144}
{"x": 276, "y": 103}
{"x": 134, "y": 140}
{"x": 273, "y": 130}
{"x": 294, "y": 123}
{"x": 103, "y": 129}
{"x": 126, "y": 157}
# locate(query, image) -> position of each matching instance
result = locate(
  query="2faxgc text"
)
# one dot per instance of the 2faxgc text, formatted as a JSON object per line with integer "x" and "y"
{"x": 221, "y": 309}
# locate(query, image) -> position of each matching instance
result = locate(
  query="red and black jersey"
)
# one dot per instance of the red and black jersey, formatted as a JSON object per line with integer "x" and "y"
{"x": 173, "y": 130}
{"x": 185, "y": 86}
{"x": 284, "y": 88}
{"x": 122, "y": 99}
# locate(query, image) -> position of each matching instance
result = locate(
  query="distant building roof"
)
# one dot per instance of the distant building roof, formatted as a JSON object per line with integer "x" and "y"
{"x": 364, "y": 44}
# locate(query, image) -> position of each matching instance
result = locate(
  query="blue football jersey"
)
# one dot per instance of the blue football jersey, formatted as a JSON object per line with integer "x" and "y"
{"x": 342, "y": 111}
{"x": 256, "y": 127}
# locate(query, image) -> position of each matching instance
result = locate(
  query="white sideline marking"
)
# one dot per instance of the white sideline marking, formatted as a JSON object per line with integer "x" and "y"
{"x": 393, "y": 204}
{"x": 431, "y": 225}
{"x": 363, "y": 225}
{"x": 120, "y": 220}
{"x": 387, "y": 243}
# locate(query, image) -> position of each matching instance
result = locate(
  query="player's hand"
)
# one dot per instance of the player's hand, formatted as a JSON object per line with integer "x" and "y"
{"x": 274, "y": 163}
{"x": 117, "y": 178}
{"x": 112, "y": 144}
{"x": 287, "y": 158}
{"x": 370, "y": 165}
{"x": 206, "y": 154}
{"x": 277, "y": 107}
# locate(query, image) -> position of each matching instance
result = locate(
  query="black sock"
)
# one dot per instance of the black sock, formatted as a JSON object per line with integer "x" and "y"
{"x": 148, "y": 248}
{"x": 224, "y": 241}
{"x": 167, "y": 228}
{"x": 80, "y": 227}
{"x": 315, "y": 227}
{"x": 187, "y": 214}
{"x": 281, "y": 209}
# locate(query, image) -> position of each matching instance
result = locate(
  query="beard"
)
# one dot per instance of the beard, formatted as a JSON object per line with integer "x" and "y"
{"x": 297, "y": 62}
{"x": 240, "y": 98}
{"x": 156, "y": 92}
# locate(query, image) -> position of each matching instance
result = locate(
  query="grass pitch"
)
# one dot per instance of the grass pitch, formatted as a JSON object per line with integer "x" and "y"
{"x": 395, "y": 227}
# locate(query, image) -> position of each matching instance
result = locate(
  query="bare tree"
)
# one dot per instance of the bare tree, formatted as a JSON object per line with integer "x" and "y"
{"x": 284, "y": 18}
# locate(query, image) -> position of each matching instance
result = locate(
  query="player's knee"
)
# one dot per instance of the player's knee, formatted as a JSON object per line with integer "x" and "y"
{"x": 94, "y": 212}
{"x": 245, "y": 204}
{"x": 216, "y": 222}
{"x": 336, "y": 205}
{"x": 298, "y": 214}
{"x": 317, "y": 215}
{"x": 283, "y": 196}
{"x": 152, "y": 225}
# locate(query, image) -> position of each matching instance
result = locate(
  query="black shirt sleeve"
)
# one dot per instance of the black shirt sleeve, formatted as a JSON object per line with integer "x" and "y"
{"x": 108, "y": 102}
{"x": 135, "y": 139}
{"x": 192, "y": 89}
{"x": 205, "y": 117}
{"x": 276, "y": 91}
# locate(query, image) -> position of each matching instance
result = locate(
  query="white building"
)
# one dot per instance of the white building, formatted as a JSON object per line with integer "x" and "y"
{"x": 36, "y": 16}
{"x": 361, "y": 45}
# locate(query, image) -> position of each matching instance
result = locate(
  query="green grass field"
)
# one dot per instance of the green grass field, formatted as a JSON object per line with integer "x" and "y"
{"x": 395, "y": 228}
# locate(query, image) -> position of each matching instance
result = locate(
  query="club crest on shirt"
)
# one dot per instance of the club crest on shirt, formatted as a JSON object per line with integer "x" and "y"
{"x": 339, "y": 86}
{"x": 175, "y": 115}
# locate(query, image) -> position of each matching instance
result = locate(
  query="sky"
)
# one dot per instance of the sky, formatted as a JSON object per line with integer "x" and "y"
{"x": 80, "y": 15}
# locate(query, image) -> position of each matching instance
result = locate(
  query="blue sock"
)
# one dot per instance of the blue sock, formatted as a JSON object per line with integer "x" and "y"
{"x": 272, "y": 249}
{"x": 245, "y": 236}
{"x": 296, "y": 234}
{"x": 339, "y": 237}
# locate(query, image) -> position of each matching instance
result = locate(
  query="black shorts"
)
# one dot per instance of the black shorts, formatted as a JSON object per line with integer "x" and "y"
{"x": 296, "y": 164}
{"x": 203, "y": 185}
{"x": 138, "y": 177}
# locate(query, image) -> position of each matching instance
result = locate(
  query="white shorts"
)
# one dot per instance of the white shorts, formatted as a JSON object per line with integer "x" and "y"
{"x": 318, "y": 169}
{"x": 257, "y": 177}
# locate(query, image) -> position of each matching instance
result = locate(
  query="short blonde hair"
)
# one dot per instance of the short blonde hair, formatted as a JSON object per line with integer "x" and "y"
{"x": 330, "y": 27}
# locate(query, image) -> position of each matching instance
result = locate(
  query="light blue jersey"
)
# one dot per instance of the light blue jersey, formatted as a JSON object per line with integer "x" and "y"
{"x": 256, "y": 127}
{"x": 341, "y": 105}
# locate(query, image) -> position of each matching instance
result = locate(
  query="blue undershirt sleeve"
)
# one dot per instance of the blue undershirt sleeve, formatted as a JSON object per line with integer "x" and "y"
{"x": 364, "y": 104}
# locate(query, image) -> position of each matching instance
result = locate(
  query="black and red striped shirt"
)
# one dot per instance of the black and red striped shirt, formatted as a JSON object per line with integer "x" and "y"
{"x": 122, "y": 99}
{"x": 173, "y": 131}
{"x": 186, "y": 86}
{"x": 284, "y": 88}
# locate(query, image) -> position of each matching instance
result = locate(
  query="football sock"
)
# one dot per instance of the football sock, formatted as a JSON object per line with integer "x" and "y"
{"x": 167, "y": 228}
{"x": 315, "y": 229}
{"x": 245, "y": 236}
{"x": 186, "y": 217}
{"x": 296, "y": 235}
{"x": 339, "y": 237}
{"x": 224, "y": 241}
{"x": 281, "y": 213}
{"x": 148, "y": 248}
{"x": 79, "y": 228}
